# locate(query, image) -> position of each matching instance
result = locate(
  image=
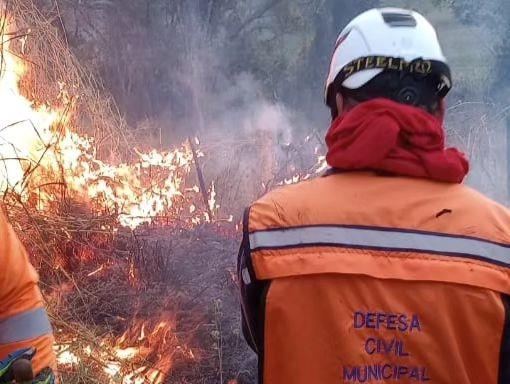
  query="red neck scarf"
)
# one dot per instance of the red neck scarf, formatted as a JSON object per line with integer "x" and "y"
{"x": 383, "y": 135}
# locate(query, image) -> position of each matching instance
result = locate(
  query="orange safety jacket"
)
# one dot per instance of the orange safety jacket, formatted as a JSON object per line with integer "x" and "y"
{"x": 361, "y": 278}
{"x": 23, "y": 319}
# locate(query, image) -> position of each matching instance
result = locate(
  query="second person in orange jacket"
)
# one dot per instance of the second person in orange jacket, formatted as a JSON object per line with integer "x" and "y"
{"x": 23, "y": 319}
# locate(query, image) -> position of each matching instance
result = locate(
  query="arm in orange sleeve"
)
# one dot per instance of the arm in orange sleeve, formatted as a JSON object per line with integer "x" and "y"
{"x": 23, "y": 320}
{"x": 18, "y": 278}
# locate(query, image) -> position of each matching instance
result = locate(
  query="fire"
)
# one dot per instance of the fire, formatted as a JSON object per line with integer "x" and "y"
{"x": 66, "y": 357}
{"x": 127, "y": 353}
{"x": 41, "y": 150}
{"x": 142, "y": 333}
{"x": 96, "y": 271}
{"x": 139, "y": 343}
{"x": 320, "y": 166}
{"x": 143, "y": 354}
{"x": 18, "y": 139}
{"x": 213, "y": 206}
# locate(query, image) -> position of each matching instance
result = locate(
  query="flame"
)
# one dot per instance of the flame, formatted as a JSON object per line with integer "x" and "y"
{"x": 18, "y": 140}
{"x": 126, "y": 360}
{"x": 142, "y": 333}
{"x": 66, "y": 357}
{"x": 320, "y": 166}
{"x": 142, "y": 340}
{"x": 127, "y": 353}
{"x": 213, "y": 206}
{"x": 96, "y": 271}
{"x": 40, "y": 147}
{"x": 113, "y": 368}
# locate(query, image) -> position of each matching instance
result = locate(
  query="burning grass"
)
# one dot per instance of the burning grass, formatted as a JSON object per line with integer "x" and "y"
{"x": 165, "y": 323}
{"x": 135, "y": 255}
{"x": 117, "y": 297}
{"x": 157, "y": 305}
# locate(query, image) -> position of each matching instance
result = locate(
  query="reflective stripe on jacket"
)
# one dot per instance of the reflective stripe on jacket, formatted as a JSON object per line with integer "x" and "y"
{"x": 23, "y": 319}
{"x": 355, "y": 278}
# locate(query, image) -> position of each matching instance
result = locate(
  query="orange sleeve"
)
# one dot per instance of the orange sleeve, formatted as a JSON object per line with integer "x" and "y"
{"x": 18, "y": 279}
{"x": 19, "y": 292}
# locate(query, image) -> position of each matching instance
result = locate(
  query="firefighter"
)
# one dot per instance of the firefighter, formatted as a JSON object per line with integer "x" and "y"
{"x": 387, "y": 268}
{"x": 25, "y": 330}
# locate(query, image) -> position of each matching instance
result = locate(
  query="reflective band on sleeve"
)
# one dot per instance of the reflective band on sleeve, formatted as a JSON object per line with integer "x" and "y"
{"x": 24, "y": 326}
{"x": 381, "y": 239}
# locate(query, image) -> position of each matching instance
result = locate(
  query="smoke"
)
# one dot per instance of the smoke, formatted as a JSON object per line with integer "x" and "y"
{"x": 244, "y": 134}
{"x": 246, "y": 130}
{"x": 235, "y": 73}
{"x": 475, "y": 41}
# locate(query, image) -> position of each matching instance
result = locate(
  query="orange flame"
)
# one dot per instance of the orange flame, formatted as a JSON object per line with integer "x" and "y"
{"x": 38, "y": 143}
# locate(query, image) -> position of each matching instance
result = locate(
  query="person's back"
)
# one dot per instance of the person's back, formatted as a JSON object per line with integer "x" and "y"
{"x": 387, "y": 268}
{"x": 377, "y": 278}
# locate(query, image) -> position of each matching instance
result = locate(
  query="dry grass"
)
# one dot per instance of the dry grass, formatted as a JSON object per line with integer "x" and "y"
{"x": 53, "y": 66}
{"x": 168, "y": 293}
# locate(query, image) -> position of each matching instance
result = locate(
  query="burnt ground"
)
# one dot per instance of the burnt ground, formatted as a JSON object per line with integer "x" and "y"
{"x": 154, "y": 276}
{"x": 201, "y": 265}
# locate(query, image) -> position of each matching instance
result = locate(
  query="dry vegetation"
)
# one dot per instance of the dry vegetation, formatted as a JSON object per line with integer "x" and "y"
{"x": 159, "y": 293}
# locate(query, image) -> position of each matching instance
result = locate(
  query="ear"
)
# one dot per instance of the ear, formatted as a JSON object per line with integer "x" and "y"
{"x": 441, "y": 110}
{"x": 339, "y": 103}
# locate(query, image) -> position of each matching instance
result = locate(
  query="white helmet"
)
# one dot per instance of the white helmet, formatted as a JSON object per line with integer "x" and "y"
{"x": 385, "y": 39}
